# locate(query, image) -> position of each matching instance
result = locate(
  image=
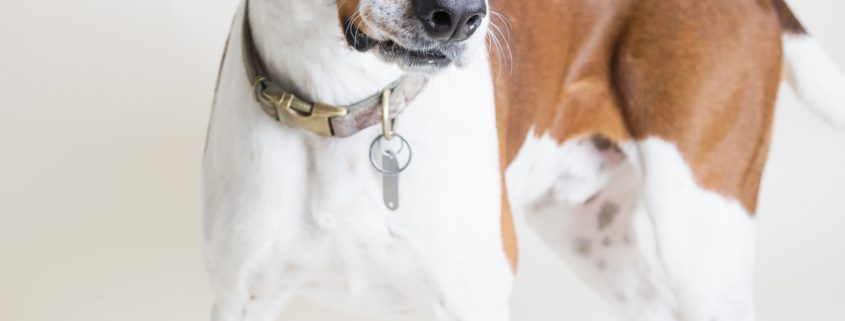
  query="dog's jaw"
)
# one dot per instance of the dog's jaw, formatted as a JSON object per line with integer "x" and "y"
{"x": 424, "y": 61}
{"x": 390, "y": 31}
{"x": 304, "y": 53}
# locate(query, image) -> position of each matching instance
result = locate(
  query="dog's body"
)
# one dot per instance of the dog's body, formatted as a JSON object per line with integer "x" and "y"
{"x": 603, "y": 107}
{"x": 686, "y": 91}
{"x": 289, "y": 212}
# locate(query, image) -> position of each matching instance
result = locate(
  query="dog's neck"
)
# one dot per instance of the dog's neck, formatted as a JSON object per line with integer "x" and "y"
{"x": 302, "y": 46}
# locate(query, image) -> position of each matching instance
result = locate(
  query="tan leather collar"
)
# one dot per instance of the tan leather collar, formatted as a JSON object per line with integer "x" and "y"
{"x": 322, "y": 119}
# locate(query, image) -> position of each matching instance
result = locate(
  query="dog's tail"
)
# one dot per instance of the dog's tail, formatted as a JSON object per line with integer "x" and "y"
{"x": 810, "y": 71}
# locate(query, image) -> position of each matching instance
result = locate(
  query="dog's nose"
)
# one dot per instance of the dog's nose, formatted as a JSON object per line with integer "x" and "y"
{"x": 451, "y": 20}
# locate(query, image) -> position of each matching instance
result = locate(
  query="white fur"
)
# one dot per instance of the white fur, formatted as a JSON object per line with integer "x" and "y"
{"x": 529, "y": 175}
{"x": 815, "y": 77}
{"x": 704, "y": 240}
{"x": 303, "y": 48}
{"x": 288, "y": 212}
{"x": 580, "y": 200}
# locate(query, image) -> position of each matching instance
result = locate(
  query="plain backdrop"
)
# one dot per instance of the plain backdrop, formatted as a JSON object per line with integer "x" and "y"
{"x": 103, "y": 111}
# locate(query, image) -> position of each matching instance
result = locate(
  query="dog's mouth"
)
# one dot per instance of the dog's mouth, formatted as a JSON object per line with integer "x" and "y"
{"x": 392, "y": 52}
{"x": 429, "y": 56}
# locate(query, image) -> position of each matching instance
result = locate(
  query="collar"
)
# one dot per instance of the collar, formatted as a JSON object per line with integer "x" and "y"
{"x": 323, "y": 119}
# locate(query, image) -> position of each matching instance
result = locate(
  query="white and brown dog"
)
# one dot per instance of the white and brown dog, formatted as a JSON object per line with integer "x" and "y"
{"x": 604, "y": 103}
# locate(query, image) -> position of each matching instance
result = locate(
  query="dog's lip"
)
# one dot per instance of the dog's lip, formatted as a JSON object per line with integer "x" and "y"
{"x": 357, "y": 39}
{"x": 363, "y": 42}
{"x": 392, "y": 47}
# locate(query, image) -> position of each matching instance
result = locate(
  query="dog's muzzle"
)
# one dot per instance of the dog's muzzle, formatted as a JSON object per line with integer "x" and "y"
{"x": 432, "y": 38}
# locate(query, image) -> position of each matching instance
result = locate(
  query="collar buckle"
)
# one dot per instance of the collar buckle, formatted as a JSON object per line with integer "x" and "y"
{"x": 314, "y": 117}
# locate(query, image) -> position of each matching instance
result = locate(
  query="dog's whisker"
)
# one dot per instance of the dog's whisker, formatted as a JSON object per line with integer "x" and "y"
{"x": 361, "y": 17}
{"x": 354, "y": 20}
{"x": 494, "y": 42}
{"x": 350, "y": 23}
{"x": 503, "y": 38}
{"x": 502, "y": 17}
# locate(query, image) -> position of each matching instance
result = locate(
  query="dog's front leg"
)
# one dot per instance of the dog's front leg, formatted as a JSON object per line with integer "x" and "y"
{"x": 252, "y": 178}
{"x": 469, "y": 281}
{"x": 252, "y": 280}
{"x": 251, "y": 276}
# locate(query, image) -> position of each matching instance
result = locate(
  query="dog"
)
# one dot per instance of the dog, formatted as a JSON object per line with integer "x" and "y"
{"x": 289, "y": 210}
{"x": 363, "y": 155}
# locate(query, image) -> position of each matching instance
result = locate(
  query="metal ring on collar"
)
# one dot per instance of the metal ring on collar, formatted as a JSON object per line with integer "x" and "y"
{"x": 402, "y": 168}
{"x": 258, "y": 86}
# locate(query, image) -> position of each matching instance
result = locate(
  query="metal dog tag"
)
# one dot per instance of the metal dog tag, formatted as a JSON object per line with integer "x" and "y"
{"x": 390, "y": 182}
{"x": 394, "y": 160}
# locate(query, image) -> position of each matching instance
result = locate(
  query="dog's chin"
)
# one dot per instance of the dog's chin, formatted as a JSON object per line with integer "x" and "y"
{"x": 423, "y": 60}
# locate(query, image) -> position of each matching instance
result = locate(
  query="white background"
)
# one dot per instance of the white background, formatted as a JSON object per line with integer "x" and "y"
{"x": 103, "y": 111}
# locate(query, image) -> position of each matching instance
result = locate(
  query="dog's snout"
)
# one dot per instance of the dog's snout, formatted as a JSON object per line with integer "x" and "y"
{"x": 451, "y": 20}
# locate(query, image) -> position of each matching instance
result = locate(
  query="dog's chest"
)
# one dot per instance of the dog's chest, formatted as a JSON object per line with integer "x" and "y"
{"x": 314, "y": 207}
{"x": 448, "y": 195}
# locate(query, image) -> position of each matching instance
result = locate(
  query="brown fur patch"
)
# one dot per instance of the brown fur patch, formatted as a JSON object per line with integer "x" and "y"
{"x": 347, "y": 11}
{"x": 702, "y": 75}
{"x": 560, "y": 82}
{"x": 788, "y": 21}
{"x": 509, "y": 241}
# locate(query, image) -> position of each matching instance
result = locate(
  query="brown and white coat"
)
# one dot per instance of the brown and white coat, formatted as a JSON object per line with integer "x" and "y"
{"x": 669, "y": 101}
{"x": 598, "y": 105}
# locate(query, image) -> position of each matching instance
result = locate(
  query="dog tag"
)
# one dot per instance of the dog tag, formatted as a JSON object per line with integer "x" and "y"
{"x": 394, "y": 160}
{"x": 390, "y": 182}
